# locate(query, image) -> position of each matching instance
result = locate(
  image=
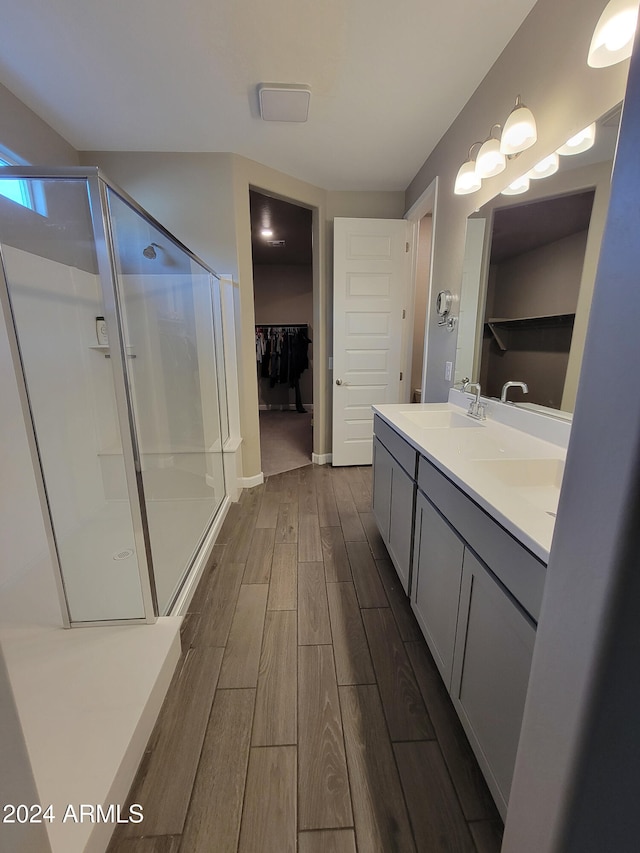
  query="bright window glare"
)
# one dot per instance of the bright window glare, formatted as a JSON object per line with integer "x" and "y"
{"x": 15, "y": 190}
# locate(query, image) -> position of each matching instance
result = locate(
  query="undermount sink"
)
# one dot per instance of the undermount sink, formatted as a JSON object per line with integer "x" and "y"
{"x": 442, "y": 419}
{"x": 525, "y": 472}
{"x": 537, "y": 481}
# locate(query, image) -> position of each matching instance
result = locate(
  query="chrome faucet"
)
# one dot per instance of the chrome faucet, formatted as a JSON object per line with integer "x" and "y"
{"x": 476, "y": 408}
{"x": 507, "y": 385}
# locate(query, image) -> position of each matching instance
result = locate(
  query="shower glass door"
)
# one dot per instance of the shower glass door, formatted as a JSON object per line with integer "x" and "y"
{"x": 53, "y": 285}
{"x": 166, "y": 305}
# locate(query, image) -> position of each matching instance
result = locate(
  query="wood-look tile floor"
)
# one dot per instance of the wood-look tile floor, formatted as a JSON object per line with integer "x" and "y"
{"x": 306, "y": 712}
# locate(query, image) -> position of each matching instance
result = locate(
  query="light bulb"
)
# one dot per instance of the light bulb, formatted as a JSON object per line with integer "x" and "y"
{"x": 490, "y": 160}
{"x": 619, "y": 30}
{"x": 467, "y": 181}
{"x": 520, "y": 130}
{"x": 545, "y": 168}
{"x": 580, "y": 142}
{"x": 613, "y": 36}
{"x": 520, "y": 185}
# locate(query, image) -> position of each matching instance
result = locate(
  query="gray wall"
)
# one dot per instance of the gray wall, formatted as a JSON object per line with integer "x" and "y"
{"x": 190, "y": 194}
{"x": 541, "y": 282}
{"x": 31, "y": 138}
{"x": 577, "y": 774}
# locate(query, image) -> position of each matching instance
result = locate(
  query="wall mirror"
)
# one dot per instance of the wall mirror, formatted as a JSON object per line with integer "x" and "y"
{"x": 528, "y": 274}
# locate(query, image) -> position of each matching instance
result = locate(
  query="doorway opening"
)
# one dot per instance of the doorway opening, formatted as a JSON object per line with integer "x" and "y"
{"x": 282, "y": 260}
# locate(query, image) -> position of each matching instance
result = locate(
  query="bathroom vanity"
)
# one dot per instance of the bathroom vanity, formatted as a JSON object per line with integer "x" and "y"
{"x": 466, "y": 509}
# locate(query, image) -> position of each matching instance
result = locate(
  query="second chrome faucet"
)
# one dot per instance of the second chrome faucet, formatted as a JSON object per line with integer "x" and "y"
{"x": 507, "y": 385}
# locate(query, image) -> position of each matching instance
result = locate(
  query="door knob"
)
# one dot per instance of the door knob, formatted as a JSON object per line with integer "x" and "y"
{"x": 338, "y": 381}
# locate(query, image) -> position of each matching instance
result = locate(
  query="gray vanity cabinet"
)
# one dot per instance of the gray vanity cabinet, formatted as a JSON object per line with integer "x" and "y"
{"x": 438, "y": 557}
{"x": 494, "y": 646}
{"x": 394, "y": 491}
{"x": 475, "y": 590}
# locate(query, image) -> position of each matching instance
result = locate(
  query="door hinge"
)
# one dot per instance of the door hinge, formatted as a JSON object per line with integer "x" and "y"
{"x": 406, "y": 247}
{"x": 400, "y": 376}
{"x": 404, "y": 313}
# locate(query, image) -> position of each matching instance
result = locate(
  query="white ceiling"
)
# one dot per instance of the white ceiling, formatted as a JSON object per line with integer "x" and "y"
{"x": 387, "y": 76}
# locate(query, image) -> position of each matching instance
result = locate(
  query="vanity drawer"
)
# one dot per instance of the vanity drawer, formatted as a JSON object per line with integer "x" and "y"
{"x": 397, "y": 446}
{"x": 518, "y": 569}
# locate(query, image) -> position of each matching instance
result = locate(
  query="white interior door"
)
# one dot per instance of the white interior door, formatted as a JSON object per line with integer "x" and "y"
{"x": 372, "y": 264}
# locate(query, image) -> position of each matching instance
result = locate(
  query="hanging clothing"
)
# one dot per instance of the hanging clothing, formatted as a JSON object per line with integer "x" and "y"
{"x": 299, "y": 358}
{"x": 282, "y": 352}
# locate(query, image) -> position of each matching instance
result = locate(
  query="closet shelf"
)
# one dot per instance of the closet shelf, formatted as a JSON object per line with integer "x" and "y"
{"x": 499, "y": 325}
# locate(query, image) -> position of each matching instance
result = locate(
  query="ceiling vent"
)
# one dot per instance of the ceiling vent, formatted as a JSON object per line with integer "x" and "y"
{"x": 284, "y": 101}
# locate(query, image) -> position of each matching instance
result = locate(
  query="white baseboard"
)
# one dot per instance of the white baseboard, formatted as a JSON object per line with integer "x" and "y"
{"x": 186, "y": 593}
{"x": 321, "y": 458}
{"x": 284, "y": 407}
{"x": 250, "y": 482}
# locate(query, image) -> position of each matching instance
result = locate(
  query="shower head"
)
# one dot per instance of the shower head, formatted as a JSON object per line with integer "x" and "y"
{"x": 150, "y": 252}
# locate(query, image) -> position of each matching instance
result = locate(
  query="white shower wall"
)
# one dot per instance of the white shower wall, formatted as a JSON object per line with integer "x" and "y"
{"x": 71, "y": 393}
{"x": 69, "y": 385}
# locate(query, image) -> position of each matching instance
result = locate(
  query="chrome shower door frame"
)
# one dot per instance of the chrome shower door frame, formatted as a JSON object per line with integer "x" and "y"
{"x": 130, "y": 447}
{"x": 32, "y": 441}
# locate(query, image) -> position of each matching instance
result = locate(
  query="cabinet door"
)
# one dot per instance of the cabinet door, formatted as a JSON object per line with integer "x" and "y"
{"x": 382, "y": 464}
{"x": 437, "y": 574}
{"x": 403, "y": 489}
{"x": 494, "y": 646}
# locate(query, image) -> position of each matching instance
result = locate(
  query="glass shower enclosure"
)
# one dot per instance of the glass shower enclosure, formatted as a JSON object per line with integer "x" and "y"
{"x": 116, "y": 336}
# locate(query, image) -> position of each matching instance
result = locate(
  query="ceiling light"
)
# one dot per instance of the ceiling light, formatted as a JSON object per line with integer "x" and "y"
{"x": 467, "y": 179}
{"x": 545, "y": 168}
{"x": 613, "y": 36}
{"x": 266, "y": 232}
{"x": 519, "y": 131}
{"x": 284, "y": 101}
{"x": 490, "y": 160}
{"x": 520, "y": 185}
{"x": 580, "y": 142}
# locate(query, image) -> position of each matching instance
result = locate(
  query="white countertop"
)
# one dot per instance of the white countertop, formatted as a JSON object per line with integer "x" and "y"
{"x": 512, "y": 473}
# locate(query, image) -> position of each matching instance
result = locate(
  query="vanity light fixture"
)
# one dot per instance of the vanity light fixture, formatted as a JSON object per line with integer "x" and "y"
{"x": 520, "y": 185}
{"x": 613, "y": 36}
{"x": 467, "y": 179}
{"x": 519, "y": 132}
{"x": 582, "y": 141}
{"x": 546, "y": 167}
{"x": 490, "y": 160}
